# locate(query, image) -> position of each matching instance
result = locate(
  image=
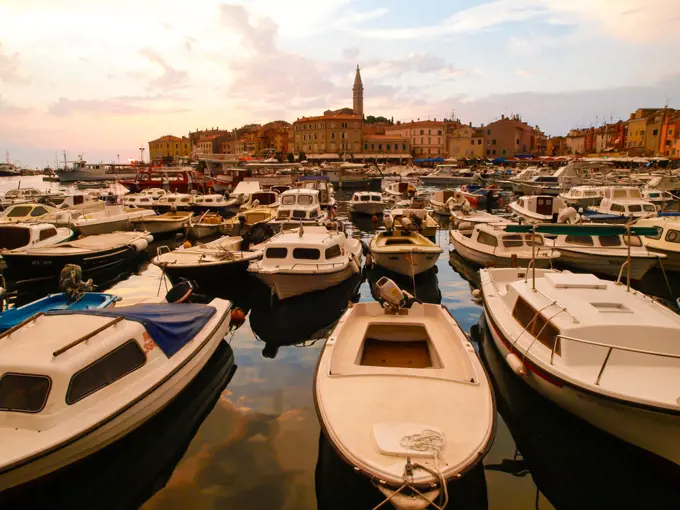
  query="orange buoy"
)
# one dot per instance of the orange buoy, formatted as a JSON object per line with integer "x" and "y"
{"x": 374, "y": 218}
{"x": 187, "y": 244}
{"x": 238, "y": 316}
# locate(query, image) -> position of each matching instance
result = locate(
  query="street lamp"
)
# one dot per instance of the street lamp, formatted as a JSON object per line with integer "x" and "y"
{"x": 141, "y": 154}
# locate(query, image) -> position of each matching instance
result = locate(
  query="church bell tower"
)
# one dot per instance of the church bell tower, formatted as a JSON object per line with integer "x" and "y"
{"x": 358, "y": 95}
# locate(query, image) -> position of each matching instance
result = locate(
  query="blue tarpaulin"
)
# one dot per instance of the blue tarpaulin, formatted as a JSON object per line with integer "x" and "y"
{"x": 171, "y": 325}
{"x": 429, "y": 160}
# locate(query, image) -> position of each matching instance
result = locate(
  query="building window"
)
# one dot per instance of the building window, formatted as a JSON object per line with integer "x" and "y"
{"x": 472, "y": 142}
{"x": 389, "y": 147}
{"x": 422, "y": 131}
{"x": 479, "y": 142}
{"x": 488, "y": 152}
{"x": 655, "y": 132}
{"x": 372, "y": 146}
{"x": 403, "y": 146}
{"x": 365, "y": 146}
{"x": 379, "y": 146}
{"x": 517, "y": 142}
{"x": 504, "y": 152}
{"x": 493, "y": 152}
{"x": 488, "y": 131}
{"x": 422, "y": 141}
{"x": 332, "y": 136}
{"x": 439, "y": 132}
{"x": 493, "y": 142}
{"x": 642, "y": 132}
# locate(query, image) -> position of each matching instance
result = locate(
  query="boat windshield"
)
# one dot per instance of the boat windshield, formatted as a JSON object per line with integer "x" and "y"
{"x": 513, "y": 241}
{"x": 288, "y": 200}
{"x": 24, "y": 393}
{"x": 305, "y": 200}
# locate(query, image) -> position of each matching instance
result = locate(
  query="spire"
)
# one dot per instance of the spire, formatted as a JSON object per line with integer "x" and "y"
{"x": 358, "y": 94}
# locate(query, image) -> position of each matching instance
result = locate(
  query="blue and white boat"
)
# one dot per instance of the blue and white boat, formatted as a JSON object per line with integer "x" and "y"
{"x": 86, "y": 301}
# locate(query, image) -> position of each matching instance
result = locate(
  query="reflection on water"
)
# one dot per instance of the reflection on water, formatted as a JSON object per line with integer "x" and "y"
{"x": 259, "y": 446}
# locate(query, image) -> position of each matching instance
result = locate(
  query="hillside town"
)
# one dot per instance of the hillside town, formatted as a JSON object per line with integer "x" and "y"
{"x": 350, "y": 134}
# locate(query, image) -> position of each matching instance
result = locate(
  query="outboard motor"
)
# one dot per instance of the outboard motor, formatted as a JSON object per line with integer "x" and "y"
{"x": 181, "y": 292}
{"x": 71, "y": 281}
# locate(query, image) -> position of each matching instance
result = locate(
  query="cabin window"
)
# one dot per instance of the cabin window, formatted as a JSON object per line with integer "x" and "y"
{"x": 634, "y": 241}
{"x": 276, "y": 253}
{"x": 365, "y": 198}
{"x": 24, "y": 393}
{"x": 18, "y": 211}
{"x": 288, "y": 200}
{"x": 314, "y": 214}
{"x": 283, "y": 214}
{"x": 659, "y": 231}
{"x": 536, "y": 325}
{"x": 617, "y": 208}
{"x": 11, "y": 238}
{"x": 145, "y": 200}
{"x": 673, "y": 236}
{"x": 513, "y": 241}
{"x": 538, "y": 240}
{"x": 306, "y": 254}
{"x": 38, "y": 211}
{"x": 581, "y": 240}
{"x": 649, "y": 208}
{"x": 47, "y": 233}
{"x": 376, "y": 198}
{"x": 488, "y": 239}
{"x": 635, "y": 208}
{"x": 609, "y": 241}
{"x": 299, "y": 214}
{"x": 332, "y": 252}
{"x": 118, "y": 363}
{"x": 305, "y": 200}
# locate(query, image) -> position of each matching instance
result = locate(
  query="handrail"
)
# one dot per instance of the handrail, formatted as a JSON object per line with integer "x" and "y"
{"x": 21, "y": 325}
{"x": 83, "y": 338}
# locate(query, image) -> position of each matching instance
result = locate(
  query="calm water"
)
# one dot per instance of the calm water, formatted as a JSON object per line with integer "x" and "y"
{"x": 250, "y": 438}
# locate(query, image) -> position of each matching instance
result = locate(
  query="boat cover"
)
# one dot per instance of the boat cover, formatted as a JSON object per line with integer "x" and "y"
{"x": 171, "y": 325}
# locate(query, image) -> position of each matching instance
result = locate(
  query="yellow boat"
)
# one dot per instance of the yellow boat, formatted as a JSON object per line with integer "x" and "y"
{"x": 404, "y": 252}
{"x": 254, "y": 216}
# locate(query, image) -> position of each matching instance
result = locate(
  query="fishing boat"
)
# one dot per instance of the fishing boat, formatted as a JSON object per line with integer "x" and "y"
{"x": 367, "y": 202}
{"x": 443, "y": 201}
{"x": 215, "y": 203}
{"x": 248, "y": 218}
{"x": 412, "y": 219}
{"x": 163, "y": 223}
{"x": 624, "y": 201}
{"x": 600, "y": 350}
{"x": 400, "y": 365}
{"x": 352, "y": 176}
{"x": 665, "y": 240}
{"x": 261, "y": 199}
{"x": 307, "y": 259}
{"x": 404, "y": 252}
{"x": 299, "y": 206}
{"x": 582, "y": 196}
{"x": 659, "y": 198}
{"x": 174, "y": 202}
{"x": 95, "y": 376}
{"x": 85, "y": 301}
{"x": 207, "y": 224}
{"x": 207, "y": 264}
{"x": 450, "y": 175}
{"x": 490, "y": 245}
{"x": 174, "y": 180}
{"x": 25, "y": 213}
{"x": 111, "y": 218}
{"x": 603, "y": 250}
{"x": 17, "y": 236}
{"x": 542, "y": 209}
{"x": 93, "y": 254}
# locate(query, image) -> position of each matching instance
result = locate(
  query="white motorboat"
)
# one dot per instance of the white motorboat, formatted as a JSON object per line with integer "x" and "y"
{"x": 444, "y": 201}
{"x": 163, "y": 223}
{"x": 542, "y": 209}
{"x": 207, "y": 264}
{"x": 323, "y": 185}
{"x": 659, "y": 198}
{"x": 307, "y": 259}
{"x": 260, "y": 199}
{"x": 299, "y": 206}
{"x": 367, "y": 202}
{"x": 540, "y": 185}
{"x": 669, "y": 183}
{"x": 604, "y": 353}
{"x": 527, "y": 174}
{"x": 32, "y": 194}
{"x": 73, "y": 382}
{"x": 582, "y": 196}
{"x": 603, "y": 249}
{"x": 403, "y": 398}
{"x": 465, "y": 218}
{"x": 138, "y": 200}
{"x": 404, "y": 252}
{"x": 112, "y": 218}
{"x": 25, "y": 213}
{"x": 399, "y": 190}
{"x": 215, "y": 203}
{"x": 451, "y": 175}
{"x": 207, "y": 224}
{"x": 174, "y": 202}
{"x": 491, "y": 245}
{"x": 665, "y": 241}
{"x": 16, "y": 236}
{"x": 624, "y": 201}
{"x": 412, "y": 219}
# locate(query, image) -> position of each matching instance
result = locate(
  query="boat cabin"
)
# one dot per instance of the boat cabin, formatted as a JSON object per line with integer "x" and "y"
{"x": 153, "y": 192}
{"x": 367, "y": 197}
{"x": 207, "y": 201}
{"x": 583, "y": 193}
{"x": 400, "y": 189}
{"x": 320, "y": 183}
{"x": 305, "y": 246}
{"x": 24, "y": 213}
{"x": 625, "y": 201}
{"x": 16, "y": 236}
{"x": 139, "y": 200}
{"x": 300, "y": 204}
{"x": 180, "y": 180}
{"x": 174, "y": 200}
{"x": 494, "y": 239}
{"x": 544, "y": 205}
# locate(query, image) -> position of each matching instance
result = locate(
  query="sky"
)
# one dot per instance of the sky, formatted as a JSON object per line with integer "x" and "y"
{"x": 102, "y": 78}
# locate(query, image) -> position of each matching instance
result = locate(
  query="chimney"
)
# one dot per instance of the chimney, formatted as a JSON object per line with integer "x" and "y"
{"x": 470, "y": 123}
{"x": 502, "y": 117}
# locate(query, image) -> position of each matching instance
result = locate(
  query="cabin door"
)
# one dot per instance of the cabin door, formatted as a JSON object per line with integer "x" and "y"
{"x": 544, "y": 206}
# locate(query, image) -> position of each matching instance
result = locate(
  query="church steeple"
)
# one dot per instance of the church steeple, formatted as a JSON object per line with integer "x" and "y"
{"x": 358, "y": 94}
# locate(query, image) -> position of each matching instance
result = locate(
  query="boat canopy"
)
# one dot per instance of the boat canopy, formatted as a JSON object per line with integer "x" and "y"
{"x": 171, "y": 325}
{"x": 586, "y": 230}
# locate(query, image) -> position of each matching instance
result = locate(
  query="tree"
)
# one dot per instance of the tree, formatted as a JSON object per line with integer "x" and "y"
{"x": 290, "y": 157}
{"x": 302, "y": 156}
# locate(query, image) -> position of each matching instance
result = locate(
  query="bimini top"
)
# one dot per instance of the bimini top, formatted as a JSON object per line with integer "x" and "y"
{"x": 171, "y": 325}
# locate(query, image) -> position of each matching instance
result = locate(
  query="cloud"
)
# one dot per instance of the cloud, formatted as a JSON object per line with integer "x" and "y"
{"x": 10, "y": 68}
{"x": 171, "y": 77}
{"x": 524, "y": 73}
{"x": 350, "y": 53}
{"x": 117, "y": 106}
{"x": 7, "y": 108}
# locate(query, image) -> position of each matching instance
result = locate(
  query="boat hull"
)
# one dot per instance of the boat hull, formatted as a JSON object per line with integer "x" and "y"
{"x": 405, "y": 263}
{"x": 160, "y": 227}
{"x": 491, "y": 260}
{"x": 609, "y": 265}
{"x": 672, "y": 260}
{"x": 125, "y": 421}
{"x": 104, "y": 227}
{"x": 370, "y": 183}
{"x": 645, "y": 427}
{"x": 201, "y": 231}
{"x": 369, "y": 209}
{"x": 287, "y": 285}
{"x": 208, "y": 276}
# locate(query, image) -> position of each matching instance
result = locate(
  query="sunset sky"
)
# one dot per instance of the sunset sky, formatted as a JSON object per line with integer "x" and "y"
{"x": 103, "y": 78}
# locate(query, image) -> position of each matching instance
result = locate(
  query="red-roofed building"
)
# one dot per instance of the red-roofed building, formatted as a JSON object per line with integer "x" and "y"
{"x": 169, "y": 146}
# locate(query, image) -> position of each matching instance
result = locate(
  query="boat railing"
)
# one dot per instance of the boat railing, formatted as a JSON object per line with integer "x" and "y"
{"x": 327, "y": 265}
{"x": 610, "y": 348}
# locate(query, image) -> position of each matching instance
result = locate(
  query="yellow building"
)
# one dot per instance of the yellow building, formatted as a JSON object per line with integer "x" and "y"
{"x": 169, "y": 146}
{"x": 637, "y": 130}
{"x": 427, "y": 137}
{"x": 465, "y": 142}
{"x": 330, "y": 133}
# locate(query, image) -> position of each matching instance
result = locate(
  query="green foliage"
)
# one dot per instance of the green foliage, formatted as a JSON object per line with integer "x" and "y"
{"x": 371, "y": 119}
{"x": 302, "y": 156}
{"x": 290, "y": 157}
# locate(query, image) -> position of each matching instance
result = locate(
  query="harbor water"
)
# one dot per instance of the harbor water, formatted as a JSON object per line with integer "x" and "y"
{"x": 246, "y": 435}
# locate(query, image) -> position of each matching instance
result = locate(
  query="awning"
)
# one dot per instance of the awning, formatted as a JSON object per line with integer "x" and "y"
{"x": 382, "y": 155}
{"x": 323, "y": 156}
{"x": 429, "y": 160}
{"x": 171, "y": 325}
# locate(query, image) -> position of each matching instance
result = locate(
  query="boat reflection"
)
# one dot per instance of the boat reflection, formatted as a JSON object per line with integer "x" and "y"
{"x": 303, "y": 318}
{"x": 425, "y": 287}
{"x": 338, "y": 486}
{"x": 128, "y": 472}
{"x": 575, "y": 465}
{"x": 467, "y": 270}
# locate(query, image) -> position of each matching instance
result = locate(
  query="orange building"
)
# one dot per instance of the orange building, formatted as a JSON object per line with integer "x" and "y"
{"x": 169, "y": 146}
{"x": 509, "y": 136}
{"x": 330, "y": 133}
{"x": 427, "y": 137}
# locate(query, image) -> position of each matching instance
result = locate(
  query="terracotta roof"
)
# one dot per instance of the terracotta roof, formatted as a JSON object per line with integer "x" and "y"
{"x": 384, "y": 137}
{"x": 418, "y": 123}
{"x": 167, "y": 138}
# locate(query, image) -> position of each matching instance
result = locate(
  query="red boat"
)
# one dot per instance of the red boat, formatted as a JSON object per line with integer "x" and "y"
{"x": 181, "y": 180}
